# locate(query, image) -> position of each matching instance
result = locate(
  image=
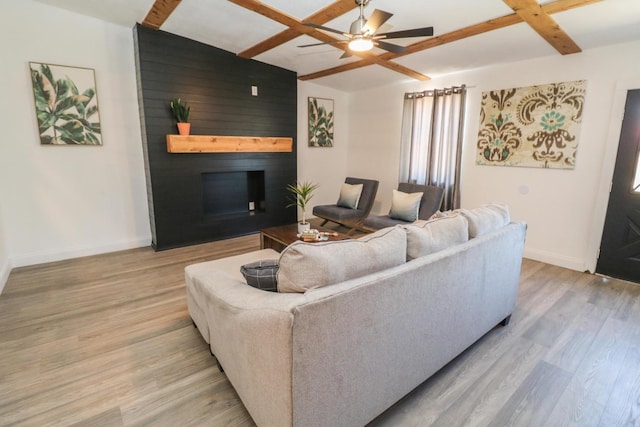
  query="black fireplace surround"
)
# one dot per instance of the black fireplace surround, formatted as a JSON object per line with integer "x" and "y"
{"x": 200, "y": 197}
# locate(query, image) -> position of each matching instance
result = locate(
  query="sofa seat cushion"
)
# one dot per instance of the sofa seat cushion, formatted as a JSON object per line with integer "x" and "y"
{"x": 225, "y": 267}
{"x": 225, "y": 270}
{"x": 378, "y": 222}
{"x": 306, "y": 266}
{"x": 336, "y": 212}
{"x": 427, "y": 237}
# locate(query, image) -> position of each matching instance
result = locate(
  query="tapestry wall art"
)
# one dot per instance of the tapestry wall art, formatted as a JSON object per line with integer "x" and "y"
{"x": 536, "y": 126}
{"x": 66, "y": 104}
{"x": 320, "y": 122}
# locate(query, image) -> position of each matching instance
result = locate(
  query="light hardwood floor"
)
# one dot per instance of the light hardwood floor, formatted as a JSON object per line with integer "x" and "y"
{"x": 107, "y": 341}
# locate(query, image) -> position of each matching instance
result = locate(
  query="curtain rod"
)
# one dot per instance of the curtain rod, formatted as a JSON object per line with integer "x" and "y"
{"x": 429, "y": 92}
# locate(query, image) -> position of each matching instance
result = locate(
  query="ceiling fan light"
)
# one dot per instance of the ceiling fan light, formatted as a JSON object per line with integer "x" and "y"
{"x": 360, "y": 44}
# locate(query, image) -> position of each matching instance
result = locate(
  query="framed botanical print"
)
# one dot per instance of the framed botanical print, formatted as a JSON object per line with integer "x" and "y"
{"x": 320, "y": 122}
{"x": 66, "y": 102}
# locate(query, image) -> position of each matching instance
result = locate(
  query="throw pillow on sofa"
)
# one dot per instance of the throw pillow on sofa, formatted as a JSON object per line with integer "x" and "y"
{"x": 306, "y": 266}
{"x": 431, "y": 236}
{"x": 261, "y": 274}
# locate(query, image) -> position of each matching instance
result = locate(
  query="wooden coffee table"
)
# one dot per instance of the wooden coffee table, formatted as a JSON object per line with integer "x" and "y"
{"x": 282, "y": 236}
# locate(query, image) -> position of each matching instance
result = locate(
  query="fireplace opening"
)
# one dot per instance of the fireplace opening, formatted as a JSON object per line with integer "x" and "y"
{"x": 233, "y": 193}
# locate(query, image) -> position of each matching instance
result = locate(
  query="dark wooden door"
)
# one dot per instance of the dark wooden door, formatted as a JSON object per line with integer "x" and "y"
{"x": 620, "y": 246}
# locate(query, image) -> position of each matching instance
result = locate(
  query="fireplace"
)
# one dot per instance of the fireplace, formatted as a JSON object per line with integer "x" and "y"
{"x": 231, "y": 194}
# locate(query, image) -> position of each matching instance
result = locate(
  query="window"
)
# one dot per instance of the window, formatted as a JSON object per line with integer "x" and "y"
{"x": 431, "y": 142}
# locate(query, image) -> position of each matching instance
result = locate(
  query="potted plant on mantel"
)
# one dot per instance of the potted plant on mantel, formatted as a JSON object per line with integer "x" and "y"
{"x": 181, "y": 112}
{"x": 301, "y": 193}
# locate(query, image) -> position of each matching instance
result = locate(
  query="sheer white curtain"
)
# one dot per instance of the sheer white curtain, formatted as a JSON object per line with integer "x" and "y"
{"x": 431, "y": 144}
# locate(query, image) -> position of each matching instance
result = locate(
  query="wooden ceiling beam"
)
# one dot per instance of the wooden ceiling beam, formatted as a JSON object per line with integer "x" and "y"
{"x": 564, "y": 5}
{"x": 473, "y": 30}
{"x": 295, "y": 25}
{"x": 321, "y": 17}
{"x": 284, "y": 19}
{"x": 393, "y": 66}
{"x": 532, "y": 13}
{"x": 159, "y": 13}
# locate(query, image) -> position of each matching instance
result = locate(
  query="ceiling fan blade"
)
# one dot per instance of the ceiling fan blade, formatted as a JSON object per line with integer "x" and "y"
{"x": 347, "y": 54}
{"x": 377, "y": 18}
{"x": 331, "y": 30}
{"x": 320, "y": 44}
{"x": 394, "y": 48}
{"x": 416, "y": 32}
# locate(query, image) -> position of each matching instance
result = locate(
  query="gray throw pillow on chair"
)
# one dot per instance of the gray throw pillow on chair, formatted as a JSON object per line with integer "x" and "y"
{"x": 405, "y": 206}
{"x": 350, "y": 195}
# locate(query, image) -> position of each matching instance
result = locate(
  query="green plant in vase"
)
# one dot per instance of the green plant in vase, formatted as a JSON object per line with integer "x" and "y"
{"x": 301, "y": 194}
{"x": 181, "y": 111}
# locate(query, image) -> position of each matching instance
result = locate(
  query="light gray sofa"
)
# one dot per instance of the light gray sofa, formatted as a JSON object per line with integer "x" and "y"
{"x": 339, "y": 354}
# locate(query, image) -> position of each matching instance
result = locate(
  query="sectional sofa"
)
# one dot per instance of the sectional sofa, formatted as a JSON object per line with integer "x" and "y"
{"x": 357, "y": 324}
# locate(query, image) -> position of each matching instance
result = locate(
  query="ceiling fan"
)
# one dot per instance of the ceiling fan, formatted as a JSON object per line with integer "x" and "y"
{"x": 362, "y": 34}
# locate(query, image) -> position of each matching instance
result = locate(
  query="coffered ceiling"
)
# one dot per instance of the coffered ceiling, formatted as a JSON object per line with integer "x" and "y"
{"x": 467, "y": 33}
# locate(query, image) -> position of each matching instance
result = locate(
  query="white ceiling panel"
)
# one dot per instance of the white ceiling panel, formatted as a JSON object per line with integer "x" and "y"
{"x": 228, "y": 26}
{"x": 510, "y": 44}
{"x": 121, "y": 12}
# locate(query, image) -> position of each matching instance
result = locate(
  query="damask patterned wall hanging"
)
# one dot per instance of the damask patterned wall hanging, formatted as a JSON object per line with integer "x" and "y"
{"x": 534, "y": 126}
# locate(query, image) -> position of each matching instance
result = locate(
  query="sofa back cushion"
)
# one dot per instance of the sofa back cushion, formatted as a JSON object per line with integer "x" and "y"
{"x": 427, "y": 237}
{"x": 313, "y": 265}
{"x": 486, "y": 218}
{"x": 483, "y": 219}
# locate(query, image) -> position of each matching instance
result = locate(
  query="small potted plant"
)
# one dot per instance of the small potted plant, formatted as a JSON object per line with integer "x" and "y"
{"x": 181, "y": 111}
{"x": 301, "y": 193}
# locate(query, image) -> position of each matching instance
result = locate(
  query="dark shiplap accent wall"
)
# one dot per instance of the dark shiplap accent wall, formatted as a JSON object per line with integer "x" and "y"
{"x": 217, "y": 86}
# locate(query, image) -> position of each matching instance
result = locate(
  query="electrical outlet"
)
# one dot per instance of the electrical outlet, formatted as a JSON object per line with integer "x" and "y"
{"x": 252, "y": 206}
{"x": 254, "y": 90}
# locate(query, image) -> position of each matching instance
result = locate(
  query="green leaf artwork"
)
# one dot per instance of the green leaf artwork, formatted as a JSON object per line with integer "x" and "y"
{"x": 66, "y": 105}
{"x": 320, "y": 122}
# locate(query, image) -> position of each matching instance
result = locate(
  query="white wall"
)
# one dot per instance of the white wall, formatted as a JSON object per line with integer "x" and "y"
{"x": 563, "y": 208}
{"x": 374, "y": 152}
{"x": 326, "y": 166}
{"x": 5, "y": 266}
{"x": 58, "y": 201}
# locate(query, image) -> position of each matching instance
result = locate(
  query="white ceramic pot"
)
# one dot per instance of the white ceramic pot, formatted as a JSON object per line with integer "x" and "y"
{"x": 303, "y": 227}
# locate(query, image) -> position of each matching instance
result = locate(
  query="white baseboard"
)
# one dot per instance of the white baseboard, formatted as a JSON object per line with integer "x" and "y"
{"x": 5, "y": 270}
{"x": 39, "y": 258}
{"x": 555, "y": 259}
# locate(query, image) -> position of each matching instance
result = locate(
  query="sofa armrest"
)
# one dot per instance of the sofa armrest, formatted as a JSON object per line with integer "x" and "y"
{"x": 250, "y": 335}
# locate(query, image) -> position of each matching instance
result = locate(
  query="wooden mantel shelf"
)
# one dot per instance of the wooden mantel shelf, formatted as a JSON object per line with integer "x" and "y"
{"x": 228, "y": 144}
